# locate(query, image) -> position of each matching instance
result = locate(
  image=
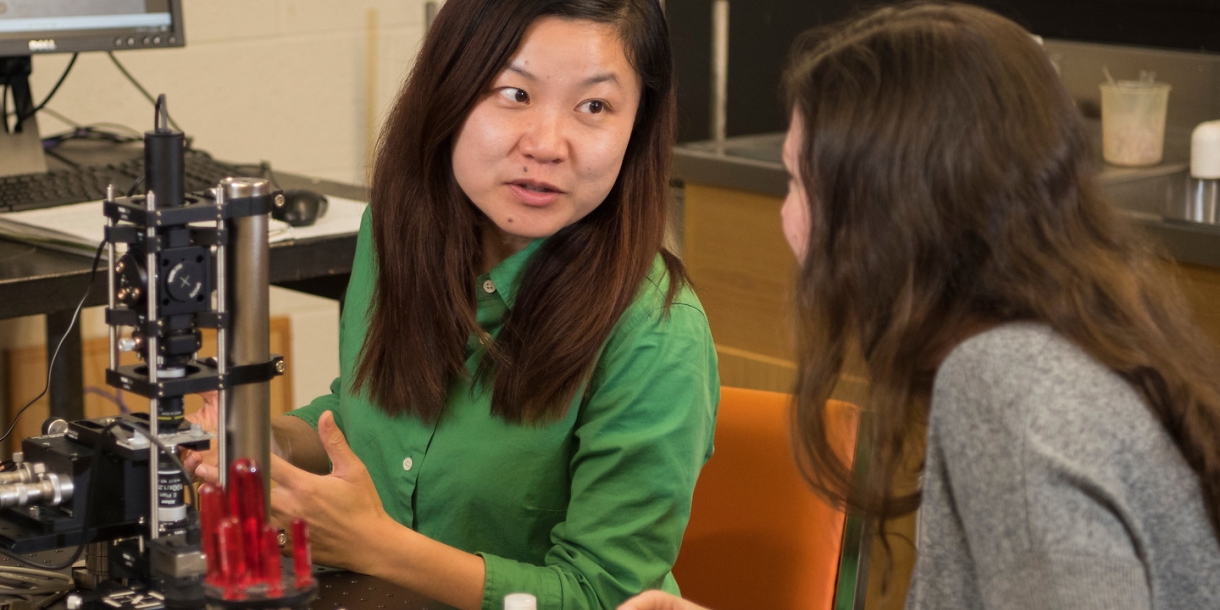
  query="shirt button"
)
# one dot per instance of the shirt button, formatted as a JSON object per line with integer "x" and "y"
{"x": 488, "y": 286}
{"x": 407, "y": 464}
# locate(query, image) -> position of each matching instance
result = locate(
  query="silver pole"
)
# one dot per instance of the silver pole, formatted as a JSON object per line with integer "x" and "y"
{"x": 111, "y": 301}
{"x": 720, "y": 70}
{"x": 154, "y": 366}
{"x": 249, "y": 424}
{"x": 222, "y": 350}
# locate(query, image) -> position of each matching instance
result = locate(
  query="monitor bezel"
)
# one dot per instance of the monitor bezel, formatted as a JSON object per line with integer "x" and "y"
{"x": 84, "y": 42}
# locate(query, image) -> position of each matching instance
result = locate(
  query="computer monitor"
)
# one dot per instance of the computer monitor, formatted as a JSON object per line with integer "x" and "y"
{"x": 34, "y": 27}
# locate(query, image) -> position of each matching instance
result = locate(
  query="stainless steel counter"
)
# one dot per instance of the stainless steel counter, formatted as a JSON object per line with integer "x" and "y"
{"x": 1153, "y": 197}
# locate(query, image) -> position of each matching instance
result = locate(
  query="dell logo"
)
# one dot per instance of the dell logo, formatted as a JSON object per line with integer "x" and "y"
{"x": 42, "y": 45}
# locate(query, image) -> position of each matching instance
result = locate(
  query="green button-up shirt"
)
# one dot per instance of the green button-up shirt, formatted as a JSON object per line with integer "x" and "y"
{"x": 582, "y": 512}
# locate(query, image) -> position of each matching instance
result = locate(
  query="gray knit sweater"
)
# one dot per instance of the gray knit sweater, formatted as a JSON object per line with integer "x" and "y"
{"x": 1049, "y": 484}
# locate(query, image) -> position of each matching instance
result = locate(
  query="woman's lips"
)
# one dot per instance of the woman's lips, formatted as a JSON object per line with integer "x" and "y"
{"x": 534, "y": 193}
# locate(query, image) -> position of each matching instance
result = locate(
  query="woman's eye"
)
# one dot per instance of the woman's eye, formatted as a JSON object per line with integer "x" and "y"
{"x": 594, "y": 106}
{"x": 514, "y": 94}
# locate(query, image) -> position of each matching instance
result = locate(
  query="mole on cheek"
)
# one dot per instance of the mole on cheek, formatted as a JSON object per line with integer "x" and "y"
{"x": 509, "y": 220}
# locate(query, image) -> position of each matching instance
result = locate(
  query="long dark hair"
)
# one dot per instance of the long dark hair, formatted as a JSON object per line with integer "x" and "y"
{"x": 426, "y": 231}
{"x": 950, "y": 188}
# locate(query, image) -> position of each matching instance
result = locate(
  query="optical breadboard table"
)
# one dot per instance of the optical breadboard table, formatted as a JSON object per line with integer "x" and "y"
{"x": 337, "y": 589}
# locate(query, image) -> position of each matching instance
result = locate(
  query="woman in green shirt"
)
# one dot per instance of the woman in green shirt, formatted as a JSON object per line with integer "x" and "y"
{"x": 528, "y": 386}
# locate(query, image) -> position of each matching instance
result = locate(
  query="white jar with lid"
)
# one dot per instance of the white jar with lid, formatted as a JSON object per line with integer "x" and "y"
{"x": 1203, "y": 190}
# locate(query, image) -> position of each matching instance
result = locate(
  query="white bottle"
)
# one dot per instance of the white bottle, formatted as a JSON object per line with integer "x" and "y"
{"x": 1205, "y": 150}
{"x": 1203, "y": 188}
{"x": 520, "y": 601}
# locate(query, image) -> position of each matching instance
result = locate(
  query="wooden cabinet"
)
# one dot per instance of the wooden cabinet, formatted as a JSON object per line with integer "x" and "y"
{"x": 744, "y": 273}
{"x": 1201, "y": 287}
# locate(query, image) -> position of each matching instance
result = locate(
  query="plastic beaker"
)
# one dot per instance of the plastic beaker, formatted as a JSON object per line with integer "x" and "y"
{"x": 1133, "y": 122}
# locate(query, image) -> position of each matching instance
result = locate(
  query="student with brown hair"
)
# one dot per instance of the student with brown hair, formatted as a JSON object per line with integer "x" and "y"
{"x": 528, "y": 385}
{"x": 949, "y": 228}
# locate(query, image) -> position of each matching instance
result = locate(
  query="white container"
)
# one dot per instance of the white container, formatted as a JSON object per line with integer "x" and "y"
{"x": 1203, "y": 186}
{"x": 520, "y": 601}
{"x": 1133, "y": 122}
{"x": 1205, "y": 150}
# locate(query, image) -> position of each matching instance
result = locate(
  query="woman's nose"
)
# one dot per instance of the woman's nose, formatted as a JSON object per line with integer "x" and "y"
{"x": 543, "y": 139}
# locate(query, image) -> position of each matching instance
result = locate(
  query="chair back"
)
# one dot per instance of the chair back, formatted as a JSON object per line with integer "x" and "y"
{"x": 758, "y": 536}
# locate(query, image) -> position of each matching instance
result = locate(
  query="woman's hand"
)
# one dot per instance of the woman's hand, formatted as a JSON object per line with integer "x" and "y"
{"x": 203, "y": 464}
{"x": 342, "y": 509}
{"x": 658, "y": 600}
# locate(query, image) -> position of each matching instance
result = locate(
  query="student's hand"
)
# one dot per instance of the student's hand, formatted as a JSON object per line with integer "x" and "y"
{"x": 658, "y": 600}
{"x": 203, "y": 463}
{"x": 342, "y": 509}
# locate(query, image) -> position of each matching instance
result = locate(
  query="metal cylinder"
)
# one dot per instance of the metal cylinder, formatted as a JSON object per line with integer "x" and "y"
{"x": 24, "y": 473}
{"x": 164, "y": 164}
{"x": 1203, "y": 200}
{"x": 171, "y": 503}
{"x": 248, "y": 424}
{"x": 51, "y": 490}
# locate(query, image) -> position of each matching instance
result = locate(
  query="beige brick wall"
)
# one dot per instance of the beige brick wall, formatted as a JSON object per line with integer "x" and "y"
{"x": 302, "y": 83}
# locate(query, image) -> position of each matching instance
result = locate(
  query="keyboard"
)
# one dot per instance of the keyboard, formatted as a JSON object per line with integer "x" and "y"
{"x": 88, "y": 183}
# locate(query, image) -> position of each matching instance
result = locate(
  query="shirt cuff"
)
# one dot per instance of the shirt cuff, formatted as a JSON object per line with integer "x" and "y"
{"x": 504, "y": 576}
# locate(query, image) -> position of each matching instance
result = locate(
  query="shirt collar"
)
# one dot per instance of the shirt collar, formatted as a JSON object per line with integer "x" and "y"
{"x": 507, "y": 274}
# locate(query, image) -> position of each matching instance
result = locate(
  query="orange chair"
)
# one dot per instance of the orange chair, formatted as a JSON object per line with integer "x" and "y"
{"x": 758, "y": 535}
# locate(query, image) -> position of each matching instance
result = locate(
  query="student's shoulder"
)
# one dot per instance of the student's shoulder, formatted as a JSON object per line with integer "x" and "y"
{"x": 1028, "y": 372}
{"x": 990, "y": 368}
{"x": 1020, "y": 349}
{"x": 1016, "y": 345}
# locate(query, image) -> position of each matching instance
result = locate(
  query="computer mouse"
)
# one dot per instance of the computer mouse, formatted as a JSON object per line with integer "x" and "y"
{"x": 299, "y": 207}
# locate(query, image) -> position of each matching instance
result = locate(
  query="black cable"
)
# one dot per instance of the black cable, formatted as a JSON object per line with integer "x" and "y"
{"x": 159, "y": 110}
{"x": 61, "y": 158}
{"x": 27, "y": 582}
{"x": 88, "y": 132}
{"x": 116, "y": 398}
{"x": 21, "y": 119}
{"x": 132, "y": 191}
{"x": 62, "y": 118}
{"x": 133, "y": 80}
{"x": 97, "y": 258}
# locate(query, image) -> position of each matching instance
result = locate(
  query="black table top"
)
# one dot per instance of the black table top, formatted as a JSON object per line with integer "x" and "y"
{"x": 336, "y": 588}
